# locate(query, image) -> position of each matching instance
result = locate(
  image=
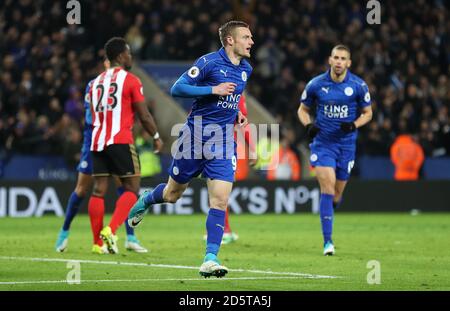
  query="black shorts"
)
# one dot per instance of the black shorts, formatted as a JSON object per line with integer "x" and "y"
{"x": 119, "y": 159}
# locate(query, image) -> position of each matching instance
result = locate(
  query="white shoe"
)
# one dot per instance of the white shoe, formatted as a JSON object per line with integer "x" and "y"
{"x": 212, "y": 268}
{"x": 328, "y": 249}
{"x": 132, "y": 244}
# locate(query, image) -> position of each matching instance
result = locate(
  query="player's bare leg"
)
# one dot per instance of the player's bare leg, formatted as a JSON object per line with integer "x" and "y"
{"x": 338, "y": 192}
{"x": 173, "y": 190}
{"x": 219, "y": 192}
{"x": 84, "y": 183}
{"x": 327, "y": 181}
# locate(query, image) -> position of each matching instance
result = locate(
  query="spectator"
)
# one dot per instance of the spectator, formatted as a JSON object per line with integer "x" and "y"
{"x": 156, "y": 48}
{"x": 408, "y": 157}
{"x": 285, "y": 165}
{"x": 135, "y": 39}
{"x": 74, "y": 106}
{"x": 405, "y": 60}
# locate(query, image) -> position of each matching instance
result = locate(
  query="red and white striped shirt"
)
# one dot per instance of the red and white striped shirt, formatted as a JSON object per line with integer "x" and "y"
{"x": 112, "y": 95}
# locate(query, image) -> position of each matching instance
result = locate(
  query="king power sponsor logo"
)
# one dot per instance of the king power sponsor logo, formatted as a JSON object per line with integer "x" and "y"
{"x": 229, "y": 101}
{"x": 336, "y": 111}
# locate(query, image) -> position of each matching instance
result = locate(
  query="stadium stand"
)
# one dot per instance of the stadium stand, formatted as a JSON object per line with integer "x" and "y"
{"x": 46, "y": 63}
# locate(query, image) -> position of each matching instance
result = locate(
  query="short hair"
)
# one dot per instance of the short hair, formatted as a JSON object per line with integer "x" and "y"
{"x": 342, "y": 47}
{"x": 114, "y": 47}
{"x": 227, "y": 29}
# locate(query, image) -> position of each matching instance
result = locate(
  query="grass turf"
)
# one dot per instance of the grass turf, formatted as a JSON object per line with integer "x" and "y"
{"x": 412, "y": 251}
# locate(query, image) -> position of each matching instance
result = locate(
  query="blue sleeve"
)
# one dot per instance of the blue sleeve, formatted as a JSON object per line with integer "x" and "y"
{"x": 364, "y": 96}
{"x": 308, "y": 95}
{"x": 190, "y": 83}
{"x": 182, "y": 88}
{"x": 87, "y": 103}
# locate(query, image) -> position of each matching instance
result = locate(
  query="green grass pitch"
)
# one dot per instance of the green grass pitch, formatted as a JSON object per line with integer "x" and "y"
{"x": 274, "y": 252}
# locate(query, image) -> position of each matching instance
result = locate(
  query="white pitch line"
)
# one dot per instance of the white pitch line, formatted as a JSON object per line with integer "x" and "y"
{"x": 106, "y": 262}
{"x": 149, "y": 280}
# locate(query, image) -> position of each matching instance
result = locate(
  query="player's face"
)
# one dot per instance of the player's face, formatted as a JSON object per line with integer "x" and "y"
{"x": 339, "y": 61}
{"x": 243, "y": 41}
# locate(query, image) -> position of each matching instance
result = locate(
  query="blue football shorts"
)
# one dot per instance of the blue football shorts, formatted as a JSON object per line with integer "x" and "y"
{"x": 184, "y": 168}
{"x": 339, "y": 157}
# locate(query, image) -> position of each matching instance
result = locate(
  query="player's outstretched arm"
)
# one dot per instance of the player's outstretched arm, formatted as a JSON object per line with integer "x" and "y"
{"x": 182, "y": 88}
{"x": 148, "y": 123}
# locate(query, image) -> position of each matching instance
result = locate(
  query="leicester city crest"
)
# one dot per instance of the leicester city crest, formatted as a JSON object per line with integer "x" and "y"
{"x": 244, "y": 76}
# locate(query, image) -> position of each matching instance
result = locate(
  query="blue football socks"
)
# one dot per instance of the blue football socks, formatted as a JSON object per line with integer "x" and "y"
{"x": 326, "y": 216}
{"x": 214, "y": 227}
{"x": 155, "y": 196}
{"x": 72, "y": 209}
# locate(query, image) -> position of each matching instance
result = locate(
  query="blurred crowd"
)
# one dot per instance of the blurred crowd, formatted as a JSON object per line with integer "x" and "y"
{"x": 45, "y": 63}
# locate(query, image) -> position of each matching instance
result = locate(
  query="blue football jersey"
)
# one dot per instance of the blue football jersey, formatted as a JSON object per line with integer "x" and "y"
{"x": 336, "y": 103}
{"x": 87, "y": 108}
{"x": 85, "y": 165}
{"x": 210, "y": 70}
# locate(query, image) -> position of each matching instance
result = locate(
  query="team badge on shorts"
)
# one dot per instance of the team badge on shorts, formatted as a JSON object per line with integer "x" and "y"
{"x": 244, "y": 76}
{"x": 313, "y": 157}
{"x": 175, "y": 170}
{"x": 83, "y": 164}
